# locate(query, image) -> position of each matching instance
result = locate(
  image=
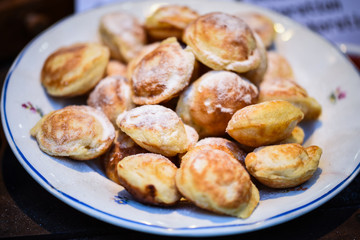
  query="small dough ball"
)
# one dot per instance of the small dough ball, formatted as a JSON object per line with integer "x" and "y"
{"x": 162, "y": 74}
{"x": 112, "y": 95}
{"x": 283, "y": 166}
{"x": 169, "y": 21}
{"x": 78, "y": 132}
{"x": 209, "y": 102}
{"x": 264, "y": 123}
{"x": 214, "y": 180}
{"x": 155, "y": 128}
{"x": 150, "y": 178}
{"x": 139, "y": 56}
{"x": 223, "y": 42}
{"x": 75, "y": 69}
{"x": 123, "y": 34}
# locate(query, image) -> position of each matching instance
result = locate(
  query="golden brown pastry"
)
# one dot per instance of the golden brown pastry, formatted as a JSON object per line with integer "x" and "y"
{"x": 214, "y": 180}
{"x": 162, "y": 74}
{"x": 169, "y": 21}
{"x": 74, "y": 70}
{"x": 297, "y": 136}
{"x": 209, "y": 102}
{"x": 283, "y": 166}
{"x": 224, "y": 145}
{"x": 150, "y": 178}
{"x": 123, "y": 34}
{"x": 116, "y": 67}
{"x": 261, "y": 25}
{"x": 279, "y": 83}
{"x": 112, "y": 95}
{"x": 139, "y": 56}
{"x": 121, "y": 147}
{"x": 264, "y": 123}
{"x": 155, "y": 128}
{"x": 222, "y": 42}
{"x": 78, "y": 132}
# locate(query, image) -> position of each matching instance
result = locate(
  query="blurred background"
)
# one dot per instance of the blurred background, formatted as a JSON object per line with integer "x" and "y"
{"x": 336, "y": 20}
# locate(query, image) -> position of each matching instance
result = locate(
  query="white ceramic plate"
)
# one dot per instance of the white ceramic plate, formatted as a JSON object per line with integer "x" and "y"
{"x": 319, "y": 67}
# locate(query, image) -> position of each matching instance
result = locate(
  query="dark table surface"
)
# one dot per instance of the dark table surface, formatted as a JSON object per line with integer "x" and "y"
{"x": 27, "y": 211}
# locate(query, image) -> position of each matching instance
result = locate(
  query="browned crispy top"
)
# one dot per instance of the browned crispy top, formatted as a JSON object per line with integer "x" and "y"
{"x": 215, "y": 97}
{"x": 60, "y": 62}
{"x": 226, "y": 35}
{"x": 171, "y": 15}
{"x": 162, "y": 73}
{"x": 70, "y": 64}
{"x": 218, "y": 175}
{"x": 112, "y": 95}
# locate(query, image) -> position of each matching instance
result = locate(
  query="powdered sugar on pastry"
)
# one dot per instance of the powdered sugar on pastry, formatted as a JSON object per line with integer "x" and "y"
{"x": 79, "y": 132}
{"x": 210, "y": 101}
{"x": 162, "y": 73}
{"x": 112, "y": 96}
{"x": 155, "y": 128}
{"x": 222, "y": 42}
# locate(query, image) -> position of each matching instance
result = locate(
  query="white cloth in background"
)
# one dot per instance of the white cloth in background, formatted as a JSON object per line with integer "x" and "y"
{"x": 336, "y": 20}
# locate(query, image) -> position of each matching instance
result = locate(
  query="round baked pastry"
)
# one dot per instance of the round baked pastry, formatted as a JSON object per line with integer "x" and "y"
{"x": 209, "y": 102}
{"x": 139, "y": 56}
{"x": 112, "y": 95}
{"x": 155, "y": 128}
{"x": 121, "y": 147}
{"x": 74, "y": 70}
{"x": 260, "y": 24}
{"x": 223, "y": 144}
{"x": 116, "y": 67}
{"x": 214, "y": 180}
{"x": 78, "y": 132}
{"x": 222, "y": 42}
{"x": 150, "y": 178}
{"x": 283, "y": 166}
{"x": 162, "y": 74}
{"x": 169, "y": 21}
{"x": 297, "y": 136}
{"x": 264, "y": 123}
{"x": 123, "y": 34}
{"x": 279, "y": 83}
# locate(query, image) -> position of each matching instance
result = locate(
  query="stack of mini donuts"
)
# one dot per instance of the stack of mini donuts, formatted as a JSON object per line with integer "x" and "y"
{"x": 182, "y": 107}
